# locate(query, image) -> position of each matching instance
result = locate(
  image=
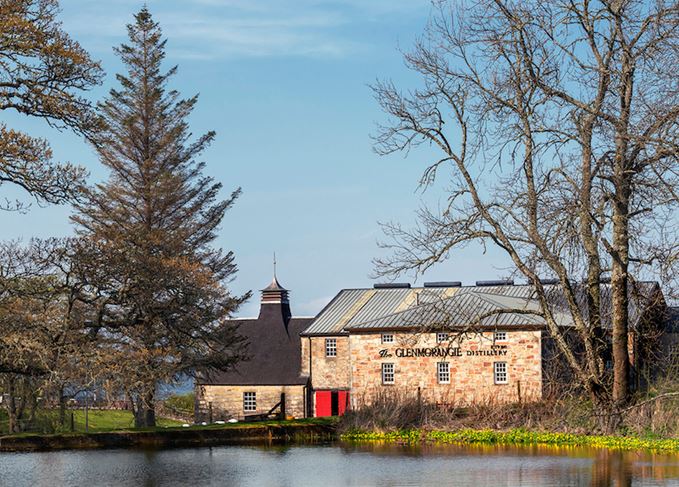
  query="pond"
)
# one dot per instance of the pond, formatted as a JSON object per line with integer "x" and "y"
{"x": 342, "y": 464}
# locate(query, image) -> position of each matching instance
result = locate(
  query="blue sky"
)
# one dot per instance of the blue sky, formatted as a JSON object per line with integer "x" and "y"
{"x": 285, "y": 85}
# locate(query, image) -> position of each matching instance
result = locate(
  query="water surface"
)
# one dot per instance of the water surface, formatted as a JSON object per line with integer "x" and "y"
{"x": 342, "y": 464}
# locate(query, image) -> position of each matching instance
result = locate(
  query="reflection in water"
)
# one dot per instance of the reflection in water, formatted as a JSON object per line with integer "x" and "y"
{"x": 356, "y": 464}
{"x": 604, "y": 467}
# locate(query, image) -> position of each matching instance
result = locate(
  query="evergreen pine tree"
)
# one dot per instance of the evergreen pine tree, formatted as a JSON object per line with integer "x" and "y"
{"x": 158, "y": 284}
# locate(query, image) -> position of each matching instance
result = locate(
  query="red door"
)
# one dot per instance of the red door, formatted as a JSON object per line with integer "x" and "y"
{"x": 323, "y": 403}
{"x": 343, "y": 402}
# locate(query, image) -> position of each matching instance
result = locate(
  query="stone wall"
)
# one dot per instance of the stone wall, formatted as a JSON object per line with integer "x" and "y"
{"x": 304, "y": 369}
{"x": 329, "y": 372}
{"x": 227, "y": 401}
{"x": 415, "y": 357}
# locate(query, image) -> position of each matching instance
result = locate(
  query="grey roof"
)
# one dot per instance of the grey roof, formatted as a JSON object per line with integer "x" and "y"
{"x": 352, "y": 306}
{"x": 462, "y": 309}
{"x": 329, "y": 320}
{"x": 369, "y": 309}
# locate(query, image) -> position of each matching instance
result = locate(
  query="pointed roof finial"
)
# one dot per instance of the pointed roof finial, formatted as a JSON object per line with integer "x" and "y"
{"x": 274, "y": 292}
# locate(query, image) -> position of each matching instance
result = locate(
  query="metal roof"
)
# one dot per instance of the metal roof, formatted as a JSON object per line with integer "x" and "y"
{"x": 370, "y": 309}
{"x": 461, "y": 310}
{"x": 329, "y": 320}
{"x": 354, "y": 306}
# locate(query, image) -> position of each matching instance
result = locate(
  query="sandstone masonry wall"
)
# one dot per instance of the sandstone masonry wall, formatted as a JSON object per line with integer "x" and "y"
{"x": 329, "y": 372}
{"x": 227, "y": 401}
{"x": 470, "y": 362}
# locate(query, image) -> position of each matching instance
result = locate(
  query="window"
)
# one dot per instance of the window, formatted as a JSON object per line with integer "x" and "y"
{"x": 442, "y": 337}
{"x": 387, "y": 338}
{"x": 387, "y": 373}
{"x": 443, "y": 372}
{"x": 500, "y": 372}
{"x": 249, "y": 402}
{"x": 331, "y": 347}
{"x": 500, "y": 336}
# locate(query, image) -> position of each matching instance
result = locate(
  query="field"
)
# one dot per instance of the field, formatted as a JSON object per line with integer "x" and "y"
{"x": 98, "y": 421}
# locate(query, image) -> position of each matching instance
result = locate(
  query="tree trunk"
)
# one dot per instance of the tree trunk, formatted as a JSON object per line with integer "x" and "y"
{"x": 11, "y": 407}
{"x": 619, "y": 283}
{"x": 32, "y": 406}
{"x": 621, "y": 367}
{"x": 150, "y": 410}
{"x": 145, "y": 410}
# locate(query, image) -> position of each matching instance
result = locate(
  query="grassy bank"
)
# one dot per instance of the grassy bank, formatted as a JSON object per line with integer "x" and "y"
{"x": 571, "y": 415}
{"x": 99, "y": 420}
{"x": 172, "y": 436}
{"x": 517, "y": 437}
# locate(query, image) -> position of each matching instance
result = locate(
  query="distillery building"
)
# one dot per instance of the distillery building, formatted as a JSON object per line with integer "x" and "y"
{"x": 451, "y": 344}
{"x": 444, "y": 342}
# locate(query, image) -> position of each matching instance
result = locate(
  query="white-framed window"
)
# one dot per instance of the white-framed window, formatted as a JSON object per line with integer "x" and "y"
{"x": 442, "y": 337}
{"x": 249, "y": 402}
{"x": 387, "y": 338}
{"x": 443, "y": 372}
{"x": 500, "y": 372}
{"x": 500, "y": 336}
{"x": 387, "y": 373}
{"x": 331, "y": 347}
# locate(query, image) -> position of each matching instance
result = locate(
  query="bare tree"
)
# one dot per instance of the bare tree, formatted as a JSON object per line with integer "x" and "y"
{"x": 556, "y": 123}
{"x": 42, "y": 336}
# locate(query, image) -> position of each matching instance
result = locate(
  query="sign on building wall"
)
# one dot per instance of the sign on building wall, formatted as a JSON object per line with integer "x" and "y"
{"x": 443, "y": 352}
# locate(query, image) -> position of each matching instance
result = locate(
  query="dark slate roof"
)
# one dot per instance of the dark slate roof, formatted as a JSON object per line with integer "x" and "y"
{"x": 274, "y": 351}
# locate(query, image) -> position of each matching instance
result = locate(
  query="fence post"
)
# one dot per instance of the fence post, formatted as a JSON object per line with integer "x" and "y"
{"x": 283, "y": 415}
{"x": 209, "y": 406}
{"x": 72, "y": 423}
{"x": 518, "y": 389}
{"x": 87, "y": 413}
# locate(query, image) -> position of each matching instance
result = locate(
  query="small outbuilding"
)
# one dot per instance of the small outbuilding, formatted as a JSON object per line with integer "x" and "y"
{"x": 270, "y": 381}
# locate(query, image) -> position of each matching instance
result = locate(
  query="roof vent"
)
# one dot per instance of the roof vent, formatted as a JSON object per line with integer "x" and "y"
{"x": 443, "y": 284}
{"x": 392, "y": 285}
{"x": 548, "y": 281}
{"x": 499, "y": 282}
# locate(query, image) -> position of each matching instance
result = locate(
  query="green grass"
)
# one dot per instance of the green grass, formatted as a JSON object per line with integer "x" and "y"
{"x": 98, "y": 421}
{"x": 109, "y": 420}
{"x": 182, "y": 403}
{"x": 519, "y": 437}
{"x": 117, "y": 420}
{"x": 326, "y": 421}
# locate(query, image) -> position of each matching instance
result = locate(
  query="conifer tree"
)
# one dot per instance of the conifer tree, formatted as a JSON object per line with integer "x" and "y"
{"x": 157, "y": 284}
